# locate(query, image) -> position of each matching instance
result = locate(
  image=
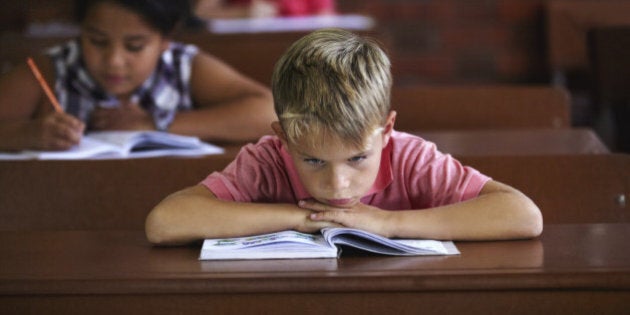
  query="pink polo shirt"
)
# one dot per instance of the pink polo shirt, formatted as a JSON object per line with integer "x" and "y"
{"x": 413, "y": 175}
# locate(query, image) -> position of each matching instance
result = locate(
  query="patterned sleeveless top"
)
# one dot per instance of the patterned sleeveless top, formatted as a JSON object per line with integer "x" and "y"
{"x": 165, "y": 92}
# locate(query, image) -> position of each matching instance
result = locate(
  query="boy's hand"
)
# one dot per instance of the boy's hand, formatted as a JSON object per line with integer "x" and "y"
{"x": 55, "y": 131}
{"x": 361, "y": 216}
{"x": 127, "y": 116}
{"x": 307, "y": 225}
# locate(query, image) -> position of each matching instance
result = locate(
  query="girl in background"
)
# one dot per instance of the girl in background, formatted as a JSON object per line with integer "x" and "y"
{"x": 125, "y": 73}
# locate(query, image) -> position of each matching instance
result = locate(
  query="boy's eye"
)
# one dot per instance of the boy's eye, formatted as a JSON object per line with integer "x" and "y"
{"x": 357, "y": 158}
{"x": 314, "y": 162}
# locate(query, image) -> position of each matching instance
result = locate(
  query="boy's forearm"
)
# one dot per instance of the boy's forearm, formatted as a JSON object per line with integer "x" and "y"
{"x": 496, "y": 216}
{"x": 194, "y": 214}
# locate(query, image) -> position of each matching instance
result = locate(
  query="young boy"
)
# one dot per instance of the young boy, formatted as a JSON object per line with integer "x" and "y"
{"x": 337, "y": 161}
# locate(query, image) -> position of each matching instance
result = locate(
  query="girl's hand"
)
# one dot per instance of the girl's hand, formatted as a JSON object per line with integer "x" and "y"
{"x": 54, "y": 131}
{"x": 127, "y": 116}
{"x": 360, "y": 216}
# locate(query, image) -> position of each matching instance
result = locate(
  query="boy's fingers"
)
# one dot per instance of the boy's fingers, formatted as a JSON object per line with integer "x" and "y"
{"x": 332, "y": 216}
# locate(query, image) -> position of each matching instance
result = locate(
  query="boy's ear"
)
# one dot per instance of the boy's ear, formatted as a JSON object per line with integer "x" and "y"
{"x": 389, "y": 123}
{"x": 277, "y": 129}
{"x": 389, "y": 126}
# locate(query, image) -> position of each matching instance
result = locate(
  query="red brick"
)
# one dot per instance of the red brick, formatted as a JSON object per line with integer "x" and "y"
{"x": 516, "y": 11}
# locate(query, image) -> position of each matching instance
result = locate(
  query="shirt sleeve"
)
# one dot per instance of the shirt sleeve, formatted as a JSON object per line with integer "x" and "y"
{"x": 255, "y": 175}
{"x": 435, "y": 178}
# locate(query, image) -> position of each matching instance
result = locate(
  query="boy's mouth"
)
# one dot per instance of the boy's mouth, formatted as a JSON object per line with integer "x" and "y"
{"x": 340, "y": 202}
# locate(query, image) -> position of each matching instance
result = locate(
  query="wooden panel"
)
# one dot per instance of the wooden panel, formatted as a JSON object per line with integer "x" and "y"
{"x": 567, "y": 188}
{"x": 118, "y": 194}
{"x": 480, "y": 107}
{"x": 568, "y": 23}
{"x": 516, "y": 141}
{"x": 102, "y": 194}
{"x": 252, "y": 54}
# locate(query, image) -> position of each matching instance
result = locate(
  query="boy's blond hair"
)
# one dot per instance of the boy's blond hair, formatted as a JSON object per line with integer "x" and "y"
{"x": 332, "y": 83}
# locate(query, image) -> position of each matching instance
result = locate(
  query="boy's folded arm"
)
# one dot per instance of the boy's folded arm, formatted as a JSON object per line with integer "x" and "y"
{"x": 195, "y": 213}
{"x": 500, "y": 212}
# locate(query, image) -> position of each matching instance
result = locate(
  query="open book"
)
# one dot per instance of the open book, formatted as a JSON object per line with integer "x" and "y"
{"x": 124, "y": 144}
{"x": 293, "y": 244}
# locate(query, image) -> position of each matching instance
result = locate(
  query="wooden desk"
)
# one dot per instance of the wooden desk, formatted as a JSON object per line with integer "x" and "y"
{"x": 516, "y": 141}
{"x": 571, "y": 269}
{"x": 94, "y": 194}
{"x": 568, "y": 22}
{"x": 480, "y": 107}
{"x": 118, "y": 194}
{"x": 566, "y": 188}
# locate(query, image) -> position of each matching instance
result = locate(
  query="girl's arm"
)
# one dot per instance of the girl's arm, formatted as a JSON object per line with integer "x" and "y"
{"x": 231, "y": 106}
{"x": 499, "y": 212}
{"x": 195, "y": 213}
{"x": 27, "y": 119}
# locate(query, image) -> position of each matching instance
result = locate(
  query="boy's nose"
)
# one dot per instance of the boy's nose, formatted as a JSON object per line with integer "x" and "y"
{"x": 338, "y": 179}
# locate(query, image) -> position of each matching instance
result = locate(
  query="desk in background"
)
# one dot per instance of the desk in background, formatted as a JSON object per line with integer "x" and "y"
{"x": 253, "y": 54}
{"x": 452, "y": 107}
{"x": 516, "y": 141}
{"x": 571, "y": 269}
{"x": 568, "y": 22}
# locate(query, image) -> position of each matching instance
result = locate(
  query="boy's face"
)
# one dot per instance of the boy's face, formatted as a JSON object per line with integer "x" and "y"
{"x": 336, "y": 174}
{"x": 120, "y": 50}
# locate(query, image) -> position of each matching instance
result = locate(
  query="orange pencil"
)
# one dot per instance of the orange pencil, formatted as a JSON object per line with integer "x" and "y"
{"x": 44, "y": 85}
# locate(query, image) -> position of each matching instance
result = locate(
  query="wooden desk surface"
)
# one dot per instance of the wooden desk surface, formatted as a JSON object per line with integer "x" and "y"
{"x": 517, "y": 141}
{"x": 572, "y": 269}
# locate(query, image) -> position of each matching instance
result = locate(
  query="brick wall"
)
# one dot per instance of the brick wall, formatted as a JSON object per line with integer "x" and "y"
{"x": 430, "y": 41}
{"x": 461, "y": 41}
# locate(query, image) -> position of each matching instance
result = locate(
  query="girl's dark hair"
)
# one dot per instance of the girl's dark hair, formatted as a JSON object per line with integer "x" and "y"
{"x": 163, "y": 15}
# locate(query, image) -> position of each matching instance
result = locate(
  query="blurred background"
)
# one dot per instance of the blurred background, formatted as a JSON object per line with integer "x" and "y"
{"x": 581, "y": 45}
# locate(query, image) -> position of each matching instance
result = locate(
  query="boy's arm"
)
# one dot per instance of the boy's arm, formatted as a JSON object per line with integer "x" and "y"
{"x": 499, "y": 212}
{"x": 195, "y": 213}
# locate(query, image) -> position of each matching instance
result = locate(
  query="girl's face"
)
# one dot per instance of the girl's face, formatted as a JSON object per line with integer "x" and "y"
{"x": 120, "y": 50}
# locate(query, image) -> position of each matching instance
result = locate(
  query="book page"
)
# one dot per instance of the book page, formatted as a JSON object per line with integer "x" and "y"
{"x": 124, "y": 144}
{"x": 87, "y": 148}
{"x": 382, "y": 245}
{"x": 129, "y": 140}
{"x": 155, "y": 143}
{"x": 285, "y": 244}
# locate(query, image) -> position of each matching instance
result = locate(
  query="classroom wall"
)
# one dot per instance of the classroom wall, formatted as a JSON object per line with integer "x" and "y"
{"x": 462, "y": 41}
{"x": 432, "y": 41}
